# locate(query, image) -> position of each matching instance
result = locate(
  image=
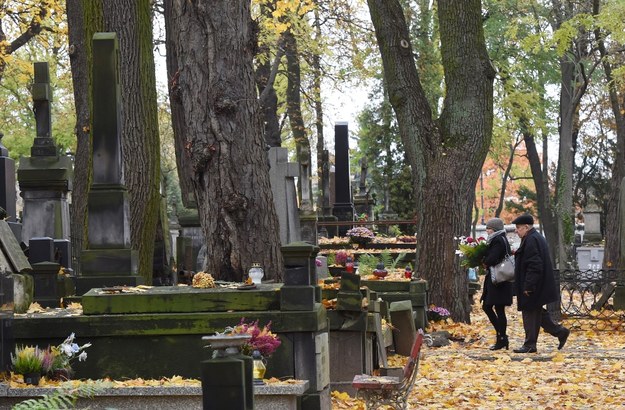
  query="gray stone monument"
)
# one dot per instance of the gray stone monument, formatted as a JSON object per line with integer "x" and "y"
{"x": 7, "y": 184}
{"x": 592, "y": 223}
{"x": 15, "y": 282}
{"x": 363, "y": 203}
{"x": 343, "y": 208}
{"x": 45, "y": 178}
{"x": 282, "y": 176}
{"x": 108, "y": 259}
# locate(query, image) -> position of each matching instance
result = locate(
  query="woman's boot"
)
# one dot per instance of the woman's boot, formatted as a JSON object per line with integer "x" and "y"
{"x": 502, "y": 341}
{"x": 492, "y": 347}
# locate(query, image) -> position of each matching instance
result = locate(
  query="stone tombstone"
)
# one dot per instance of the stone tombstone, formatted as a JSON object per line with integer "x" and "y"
{"x": 8, "y": 195}
{"x": 14, "y": 267}
{"x": 63, "y": 253}
{"x": 108, "y": 259}
{"x": 41, "y": 250}
{"x": 282, "y": 176}
{"x": 592, "y": 223}
{"x": 45, "y": 178}
{"x": 363, "y": 202}
{"x": 343, "y": 207}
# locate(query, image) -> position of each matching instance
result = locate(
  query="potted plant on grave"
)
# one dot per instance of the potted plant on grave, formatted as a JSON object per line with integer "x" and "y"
{"x": 28, "y": 361}
{"x": 57, "y": 364}
{"x": 261, "y": 346}
{"x": 337, "y": 262}
{"x": 360, "y": 235}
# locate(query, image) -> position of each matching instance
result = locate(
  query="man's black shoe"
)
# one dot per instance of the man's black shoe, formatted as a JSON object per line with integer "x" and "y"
{"x": 525, "y": 349}
{"x": 562, "y": 338}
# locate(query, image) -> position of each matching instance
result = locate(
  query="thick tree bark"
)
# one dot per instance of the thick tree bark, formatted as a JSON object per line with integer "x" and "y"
{"x": 84, "y": 19}
{"x": 177, "y": 110}
{"x": 446, "y": 155}
{"x": 222, "y": 136}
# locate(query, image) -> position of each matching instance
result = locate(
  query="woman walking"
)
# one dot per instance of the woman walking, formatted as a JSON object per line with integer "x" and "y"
{"x": 495, "y": 297}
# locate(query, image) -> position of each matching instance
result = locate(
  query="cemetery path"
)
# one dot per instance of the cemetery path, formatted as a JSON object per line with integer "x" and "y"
{"x": 588, "y": 373}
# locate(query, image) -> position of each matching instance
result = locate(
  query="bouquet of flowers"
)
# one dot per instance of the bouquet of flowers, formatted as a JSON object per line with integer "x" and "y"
{"x": 437, "y": 313}
{"x": 360, "y": 235}
{"x": 59, "y": 358}
{"x": 262, "y": 340}
{"x": 471, "y": 250}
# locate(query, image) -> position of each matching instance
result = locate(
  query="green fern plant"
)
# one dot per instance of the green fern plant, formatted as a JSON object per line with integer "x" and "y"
{"x": 63, "y": 398}
{"x": 366, "y": 264}
{"x": 387, "y": 259}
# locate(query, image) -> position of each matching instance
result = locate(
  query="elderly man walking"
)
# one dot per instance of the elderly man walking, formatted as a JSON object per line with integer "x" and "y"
{"x": 535, "y": 285}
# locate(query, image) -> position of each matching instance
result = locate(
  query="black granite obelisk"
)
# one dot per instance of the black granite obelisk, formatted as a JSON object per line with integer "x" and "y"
{"x": 343, "y": 207}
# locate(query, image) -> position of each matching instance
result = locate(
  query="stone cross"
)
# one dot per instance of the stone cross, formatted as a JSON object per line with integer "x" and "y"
{"x": 43, "y": 146}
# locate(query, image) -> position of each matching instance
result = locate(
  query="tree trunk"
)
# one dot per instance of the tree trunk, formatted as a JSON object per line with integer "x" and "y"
{"x": 613, "y": 236}
{"x": 178, "y": 114}
{"x": 294, "y": 111}
{"x": 446, "y": 155}
{"x": 316, "y": 95}
{"x": 84, "y": 19}
{"x": 265, "y": 78}
{"x": 222, "y": 135}
{"x": 564, "y": 176}
{"x": 573, "y": 83}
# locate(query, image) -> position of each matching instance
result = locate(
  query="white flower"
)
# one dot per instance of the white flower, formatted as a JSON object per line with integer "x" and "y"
{"x": 82, "y": 357}
{"x": 66, "y": 349}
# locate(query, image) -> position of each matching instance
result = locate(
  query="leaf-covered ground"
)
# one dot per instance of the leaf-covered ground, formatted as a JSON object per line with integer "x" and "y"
{"x": 589, "y": 373}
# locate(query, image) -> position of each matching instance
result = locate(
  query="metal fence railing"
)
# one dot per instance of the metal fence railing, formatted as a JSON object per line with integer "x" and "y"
{"x": 587, "y": 298}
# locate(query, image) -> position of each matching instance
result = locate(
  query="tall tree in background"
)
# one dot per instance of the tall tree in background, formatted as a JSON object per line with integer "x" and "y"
{"x": 222, "y": 134}
{"x": 610, "y": 27}
{"x": 132, "y": 21}
{"x": 574, "y": 76}
{"x": 446, "y": 154}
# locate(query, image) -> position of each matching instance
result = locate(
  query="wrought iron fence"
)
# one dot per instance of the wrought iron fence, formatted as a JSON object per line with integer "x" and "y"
{"x": 587, "y": 298}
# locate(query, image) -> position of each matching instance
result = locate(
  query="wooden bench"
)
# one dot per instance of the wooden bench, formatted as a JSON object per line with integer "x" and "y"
{"x": 389, "y": 390}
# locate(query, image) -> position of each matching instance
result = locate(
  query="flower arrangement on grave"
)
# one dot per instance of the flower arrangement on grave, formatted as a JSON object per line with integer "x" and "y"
{"x": 437, "y": 313}
{"x": 340, "y": 258}
{"x": 203, "y": 280}
{"x": 27, "y": 360}
{"x": 263, "y": 340}
{"x": 471, "y": 250}
{"x": 57, "y": 360}
{"x": 360, "y": 235}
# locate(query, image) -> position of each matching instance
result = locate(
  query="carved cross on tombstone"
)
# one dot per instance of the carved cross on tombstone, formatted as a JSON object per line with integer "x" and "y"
{"x": 43, "y": 146}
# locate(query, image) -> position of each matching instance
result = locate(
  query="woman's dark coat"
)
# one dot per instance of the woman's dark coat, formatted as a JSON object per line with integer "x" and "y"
{"x": 500, "y": 294}
{"x": 534, "y": 272}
